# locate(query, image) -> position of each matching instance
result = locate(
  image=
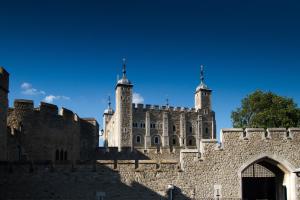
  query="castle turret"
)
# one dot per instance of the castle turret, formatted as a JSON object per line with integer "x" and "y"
{"x": 203, "y": 94}
{"x": 107, "y": 117}
{"x": 4, "y": 87}
{"x": 207, "y": 124}
{"x": 123, "y": 113}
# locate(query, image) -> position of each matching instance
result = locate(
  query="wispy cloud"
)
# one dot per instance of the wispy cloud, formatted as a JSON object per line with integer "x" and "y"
{"x": 137, "y": 98}
{"x": 28, "y": 89}
{"x": 51, "y": 98}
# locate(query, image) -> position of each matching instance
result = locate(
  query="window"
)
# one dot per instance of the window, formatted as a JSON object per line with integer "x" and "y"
{"x": 152, "y": 125}
{"x": 174, "y": 141}
{"x": 190, "y": 142}
{"x": 205, "y": 111}
{"x": 174, "y": 128}
{"x": 66, "y": 155}
{"x": 135, "y": 125}
{"x": 206, "y": 130}
{"x": 156, "y": 140}
{"x": 57, "y": 155}
{"x": 138, "y": 139}
{"x": 100, "y": 195}
{"x": 61, "y": 155}
{"x": 191, "y": 129}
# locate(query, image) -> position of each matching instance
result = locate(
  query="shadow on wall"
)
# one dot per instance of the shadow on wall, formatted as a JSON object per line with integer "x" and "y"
{"x": 112, "y": 153}
{"x": 84, "y": 182}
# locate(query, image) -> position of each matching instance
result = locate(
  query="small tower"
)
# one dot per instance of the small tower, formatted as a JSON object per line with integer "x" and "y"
{"x": 123, "y": 113}
{"x": 4, "y": 89}
{"x": 203, "y": 94}
{"x": 107, "y": 116}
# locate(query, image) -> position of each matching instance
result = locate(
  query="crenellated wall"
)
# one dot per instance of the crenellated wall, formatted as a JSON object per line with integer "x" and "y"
{"x": 216, "y": 169}
{"x": 45, "y": 133}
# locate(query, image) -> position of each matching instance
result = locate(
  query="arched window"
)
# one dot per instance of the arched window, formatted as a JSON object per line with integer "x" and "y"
{"x": 61, "y": 155}
{"x": 174, "y": 141}
{"x": 174, "y": 128}
{"x": 191, "y": 129}
{"x": 156, "y": 140}
{"x": 206, "y": 130}
{"x": 191, "y": 141}
{"x": 138, "y": 139}
{"x": 57, "y": 155}
{"x": 66, "y": 155}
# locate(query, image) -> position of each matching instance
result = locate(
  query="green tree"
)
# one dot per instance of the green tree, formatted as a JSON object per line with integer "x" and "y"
{"x": 265, "y": 110}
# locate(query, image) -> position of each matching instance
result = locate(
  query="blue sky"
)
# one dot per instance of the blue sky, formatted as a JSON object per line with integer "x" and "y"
{"x": 71, "y": 51}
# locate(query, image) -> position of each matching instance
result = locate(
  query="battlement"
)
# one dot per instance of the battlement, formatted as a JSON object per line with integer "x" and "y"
{"x": 44, "y": 108}
{"x": 145, "y": 107}
{"x": 23, "y": 104}
{"x": 48, "y": 108}
{"x": 4, "y": 79}
{"x": 92, "y": 121}
{"x": 140, "y": 165}
{"x": 260, "y": 133}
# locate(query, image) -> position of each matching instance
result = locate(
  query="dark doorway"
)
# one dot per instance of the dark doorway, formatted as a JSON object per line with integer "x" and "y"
{"x": 263, "y": 180}
{"x": 259, "y": 188}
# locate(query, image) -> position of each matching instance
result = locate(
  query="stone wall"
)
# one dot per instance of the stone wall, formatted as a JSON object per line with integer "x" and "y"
{"x": 89, "y": 138}
{"x": 174, "y": 126}
{"x": 44, "y": 134}
{"x": 195, "y": 176}
{"x": 4, "y": 82}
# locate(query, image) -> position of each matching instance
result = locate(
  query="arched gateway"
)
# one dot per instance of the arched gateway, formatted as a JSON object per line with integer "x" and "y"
{"x": 267, "y": 178}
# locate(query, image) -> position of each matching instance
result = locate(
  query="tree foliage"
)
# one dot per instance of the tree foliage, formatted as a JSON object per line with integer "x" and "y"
{"x": 265, "y": 110}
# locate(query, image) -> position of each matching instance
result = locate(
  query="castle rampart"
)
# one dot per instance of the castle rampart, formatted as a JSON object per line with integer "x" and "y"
{"x": 197, "y": 175}
{"x": 60, "y": 134}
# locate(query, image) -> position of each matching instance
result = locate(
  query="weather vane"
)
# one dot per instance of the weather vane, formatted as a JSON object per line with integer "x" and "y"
{"x": 124, "y": 67}
{"x": 202, "y": 74}
{"x": 109, "y": 102}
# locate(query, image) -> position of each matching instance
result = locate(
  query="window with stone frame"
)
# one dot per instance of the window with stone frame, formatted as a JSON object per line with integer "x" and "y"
{"x": 156, "y": 140}
{"x": 174, "y": 141}
{"x": 138, "y": 139}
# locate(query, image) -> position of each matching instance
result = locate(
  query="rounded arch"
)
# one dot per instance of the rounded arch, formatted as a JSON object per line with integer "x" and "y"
{"x": 138, "y": 140}
{"x": 174, "y": 140}
{"x": 191, "y": 141}
{"x": 156, "y": 140}
{"x": 278, "y": 165}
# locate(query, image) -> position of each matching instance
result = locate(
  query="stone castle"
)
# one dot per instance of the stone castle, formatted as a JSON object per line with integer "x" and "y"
{"x": 150, "y": 126}
{"x": 149, "y": 152}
